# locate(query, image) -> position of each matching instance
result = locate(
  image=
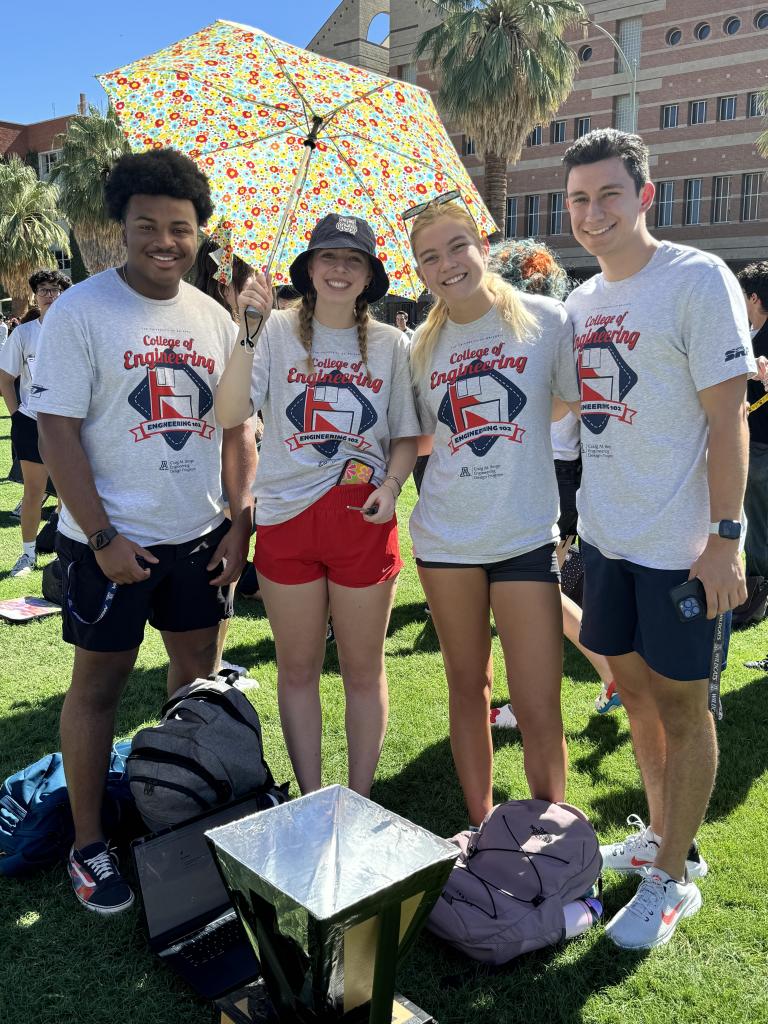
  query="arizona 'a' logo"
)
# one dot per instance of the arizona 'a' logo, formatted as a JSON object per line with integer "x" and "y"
{"x": 479, "y": 409}
{"x": 173, "y": 401}
{"x": 327, "y": 415}
{"x": 605, "y": 380}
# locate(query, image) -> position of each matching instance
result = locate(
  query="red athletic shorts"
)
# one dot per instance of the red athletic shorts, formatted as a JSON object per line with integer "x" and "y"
{"x": 329, "y": 540}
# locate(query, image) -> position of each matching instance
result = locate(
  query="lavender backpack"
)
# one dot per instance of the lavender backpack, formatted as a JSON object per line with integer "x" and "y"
{"x": 506, "y": 892}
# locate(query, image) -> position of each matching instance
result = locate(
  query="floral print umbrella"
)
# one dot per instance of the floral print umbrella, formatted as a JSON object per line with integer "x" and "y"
{"x": 286, "y": 137}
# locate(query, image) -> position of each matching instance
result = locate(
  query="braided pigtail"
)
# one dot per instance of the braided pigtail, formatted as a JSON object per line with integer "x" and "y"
{"x": 362, "y": 319}
{"x": 306, "y": 311}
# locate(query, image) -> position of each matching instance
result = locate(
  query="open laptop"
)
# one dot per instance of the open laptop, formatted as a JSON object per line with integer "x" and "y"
{"x": 190, "y": 921}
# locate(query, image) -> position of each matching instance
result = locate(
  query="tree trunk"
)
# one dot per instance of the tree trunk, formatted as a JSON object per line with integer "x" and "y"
{"x": 17, "y": 287}
{"x": 495, "y": 190}
{"x": 101, "y": 246}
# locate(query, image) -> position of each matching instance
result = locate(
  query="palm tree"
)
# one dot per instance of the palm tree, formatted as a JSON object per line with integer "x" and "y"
{"x": 504, "y": 68}
{"x": 90, "y": 146}
{"x": 29, "y": 228}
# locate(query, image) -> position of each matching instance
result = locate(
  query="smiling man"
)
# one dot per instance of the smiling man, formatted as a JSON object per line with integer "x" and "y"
{"x": 124, "y": 382}
{"x": 663, "y": 351}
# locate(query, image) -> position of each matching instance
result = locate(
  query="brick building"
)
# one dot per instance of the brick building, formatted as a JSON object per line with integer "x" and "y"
{"x": 696, "y": 69}
{"x": 37, "y": 144}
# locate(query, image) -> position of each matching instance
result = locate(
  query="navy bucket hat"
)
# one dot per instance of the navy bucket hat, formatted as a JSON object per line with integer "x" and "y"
{"x": 340, "y": 231}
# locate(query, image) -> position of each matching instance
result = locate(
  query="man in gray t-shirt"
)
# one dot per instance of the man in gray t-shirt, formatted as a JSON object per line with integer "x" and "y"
{"x": 128, "y": 368}
{"x": 663, "y": 355}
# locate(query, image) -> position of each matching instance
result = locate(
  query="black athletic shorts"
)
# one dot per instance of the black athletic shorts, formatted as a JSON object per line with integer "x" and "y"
{"x": 538, "y": 566}
{"x": 176, "y": 597}
{"x": 24, "y": 438}
{"x": 568, "y": 473}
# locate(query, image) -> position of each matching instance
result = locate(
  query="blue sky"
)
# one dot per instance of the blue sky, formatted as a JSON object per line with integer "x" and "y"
{"x": 50, "y": 53}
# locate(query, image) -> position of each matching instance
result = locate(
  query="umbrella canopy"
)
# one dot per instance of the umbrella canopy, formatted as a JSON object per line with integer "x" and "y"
{"x": 286, "y": 137}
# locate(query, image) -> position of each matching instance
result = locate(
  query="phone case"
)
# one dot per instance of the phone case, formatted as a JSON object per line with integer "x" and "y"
{"x": 355, "y": 472}
{"x": 689, "y": 600}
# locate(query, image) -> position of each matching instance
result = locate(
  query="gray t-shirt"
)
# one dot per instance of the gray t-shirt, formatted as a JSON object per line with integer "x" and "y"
{"x": 315, "y": 421}
{"x": 645, "y": 347}
{"x": 141, "y": 373}
{"x": 489, "y": 491}
{"x": 17, "y": 357}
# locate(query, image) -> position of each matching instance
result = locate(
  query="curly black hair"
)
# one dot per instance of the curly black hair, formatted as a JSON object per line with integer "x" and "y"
{"x": 158, "y": 172}
{"x": 754, "y": 281}
{"x": 49, "y": 277}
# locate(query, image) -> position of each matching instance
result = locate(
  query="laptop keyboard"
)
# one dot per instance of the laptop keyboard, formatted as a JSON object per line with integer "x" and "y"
{"x": 211, "y": 943}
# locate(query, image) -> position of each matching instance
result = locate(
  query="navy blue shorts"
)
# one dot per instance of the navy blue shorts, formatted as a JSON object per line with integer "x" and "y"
{"x": 176, "y": 597}
{"x": 627, "y": 608}
{"x": 537, "y": 566}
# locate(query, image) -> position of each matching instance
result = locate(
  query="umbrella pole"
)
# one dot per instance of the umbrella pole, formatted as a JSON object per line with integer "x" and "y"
{"x": 301, "y": 176}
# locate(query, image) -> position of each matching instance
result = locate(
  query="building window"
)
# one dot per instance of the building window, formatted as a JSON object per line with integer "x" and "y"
{"x": 408, "y": 72}
{"x": 697, "y": 112}
{"x": 726, "y": 108}
{"x": 585, "y": 53}
{"x": 556, "y": 208}
{"x": 46, "y": 162}
{"x": 750, "y": 197}
{"x": 761, "y": 19}
{"x": 674, "y": 36}
{"x": 64, "y": 263}
{"x": 510, "y": 222}
{"x": 623, "y": 115}
{"x": 669, "y": 116}
{"x": 582, "y": 126}
{"x": 702, "y": 30}
{"x": 534, "y": 139}
{"x": 721, "y": 197}
{"x": 755, "y": 105}
{"x": 665, "y": 198}
{"x": 558, "y": 131}
{"x": 692, "y": 201}
{"x": 629, "y": 32}
{"x": 468, "y": 146}
{"x": 532, "y": 204}
{"x": 732, "y": 26}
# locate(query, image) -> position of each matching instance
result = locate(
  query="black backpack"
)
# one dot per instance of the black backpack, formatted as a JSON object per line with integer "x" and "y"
{"x": 53, "y": 584}
{"x": 44, "y": 545}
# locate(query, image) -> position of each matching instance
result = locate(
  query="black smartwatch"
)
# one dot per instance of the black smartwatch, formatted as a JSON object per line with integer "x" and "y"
{"x": 730, "y": 529}
{"x": 99, "y": 540}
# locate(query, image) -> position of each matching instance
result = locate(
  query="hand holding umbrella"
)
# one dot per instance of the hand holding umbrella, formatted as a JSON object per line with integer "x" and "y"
{"x": 255, "y": 304}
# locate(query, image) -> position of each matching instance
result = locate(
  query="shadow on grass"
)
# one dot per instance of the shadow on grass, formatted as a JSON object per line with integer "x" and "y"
{"x": 31, "y": 730}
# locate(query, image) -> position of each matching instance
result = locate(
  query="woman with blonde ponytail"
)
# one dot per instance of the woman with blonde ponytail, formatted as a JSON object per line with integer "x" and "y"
{"x": 339, "y": 441}
{"x": 485, "y": 365}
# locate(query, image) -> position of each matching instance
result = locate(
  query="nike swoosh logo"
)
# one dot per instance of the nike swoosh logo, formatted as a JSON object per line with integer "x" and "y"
{"x": 637, "y": 863}
{"x": 670, "y": 915}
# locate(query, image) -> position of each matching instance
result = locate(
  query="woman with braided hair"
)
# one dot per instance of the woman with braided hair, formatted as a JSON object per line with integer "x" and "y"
{"x": 339, "y": 441}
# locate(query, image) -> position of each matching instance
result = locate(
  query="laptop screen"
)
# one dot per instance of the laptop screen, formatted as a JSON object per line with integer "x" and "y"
{"x": 179, "y": 880}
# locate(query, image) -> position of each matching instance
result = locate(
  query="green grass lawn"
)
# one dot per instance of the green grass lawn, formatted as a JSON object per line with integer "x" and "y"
{"x": 61, "y": 965}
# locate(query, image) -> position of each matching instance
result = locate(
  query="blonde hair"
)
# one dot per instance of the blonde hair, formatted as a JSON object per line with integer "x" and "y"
{"x": 305, "y": 310}
{"x": 506, "y": 299}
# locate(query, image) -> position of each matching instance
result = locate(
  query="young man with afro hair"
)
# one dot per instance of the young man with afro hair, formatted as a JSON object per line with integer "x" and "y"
{"x": 126, "y": 373}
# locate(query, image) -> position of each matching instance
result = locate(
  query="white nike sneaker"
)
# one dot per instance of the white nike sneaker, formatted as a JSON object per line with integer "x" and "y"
{"x": 653, "y": 913}
{"x": 637, "y": 852}
{"x": 503, "y": 717}
{"x": 24, "y": 566}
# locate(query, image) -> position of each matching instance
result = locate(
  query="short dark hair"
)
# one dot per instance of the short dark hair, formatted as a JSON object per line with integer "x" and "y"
{"x": 605, "y": 143}
{"x": 158, "y": 172}
{"x": 49, "y": 277}
{"x": 754, "y": 281}
{"x": 287, "y": 292}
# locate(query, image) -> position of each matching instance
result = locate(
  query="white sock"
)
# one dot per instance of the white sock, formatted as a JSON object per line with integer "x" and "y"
{"x": 29, "y": 549}
{"x": 653, "y": 837}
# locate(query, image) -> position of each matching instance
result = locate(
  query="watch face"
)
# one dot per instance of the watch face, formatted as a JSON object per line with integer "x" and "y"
{"x": 729, "y": 529}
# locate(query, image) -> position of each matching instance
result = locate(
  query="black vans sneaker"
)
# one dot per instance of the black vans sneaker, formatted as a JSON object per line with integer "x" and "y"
{"x": 96, "y": 879}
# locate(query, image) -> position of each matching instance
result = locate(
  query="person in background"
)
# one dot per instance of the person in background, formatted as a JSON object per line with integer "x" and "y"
{"x": 485, "y": 365}
{"x": 339, "y": 442}
{"x": 531, "y": 266}
{"x": 125, "y": 377}
{"x": 17, "y": 361}
{"x": 663, "y": 349}
{"x": 401, "y": 323}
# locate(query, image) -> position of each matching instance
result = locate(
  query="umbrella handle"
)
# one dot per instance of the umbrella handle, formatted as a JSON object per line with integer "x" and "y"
{"x": 250, "y": 332}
